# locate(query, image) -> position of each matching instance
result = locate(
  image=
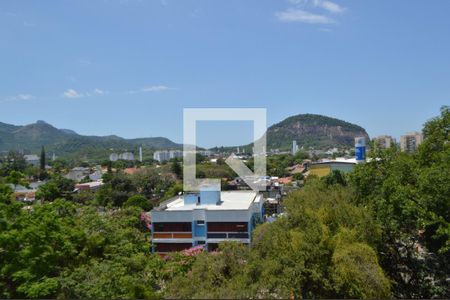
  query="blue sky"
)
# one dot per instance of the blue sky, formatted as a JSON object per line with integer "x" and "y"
{"x": 130, "y": 67}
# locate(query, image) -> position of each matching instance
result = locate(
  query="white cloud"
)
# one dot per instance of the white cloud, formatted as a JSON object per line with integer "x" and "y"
{"x": 311, "y": 11}
{"x": 330, "y": 6}
{"x": 18, "y": 97}
{"x": 153, "y": 88}
{"x": 71, "y": 93}
{"x": 99, "y": 92}
{"x": 299, "y": 15}
{"x": 84, "y": 62}
{"x": 28, "y": 24}
{"x": 325, "y": 29}
{"x": 23, "y": 97}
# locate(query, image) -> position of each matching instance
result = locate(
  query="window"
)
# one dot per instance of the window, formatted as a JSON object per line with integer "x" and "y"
{"x": 239, "y": 235}
{"x": 217, "y": 235}
{"x": 227, "y": 226}
{"x": 200, "y": 222}
{"x": 201, "y": 242}
{"x": 172, "y": 227}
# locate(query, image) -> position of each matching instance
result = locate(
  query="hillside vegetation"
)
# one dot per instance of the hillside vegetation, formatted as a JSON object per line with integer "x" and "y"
{"x": 317, "y": 131}
{"x": 66, "y": 142}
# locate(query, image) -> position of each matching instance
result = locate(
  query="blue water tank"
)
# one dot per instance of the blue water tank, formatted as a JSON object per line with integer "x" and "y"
{"x": 360, "y": 149}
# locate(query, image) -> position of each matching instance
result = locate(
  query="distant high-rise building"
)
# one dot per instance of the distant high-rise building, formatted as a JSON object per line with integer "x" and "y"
{"x": 294, "y": 147}
{"x": 410, "y": 141}
{"x": 161, "y": 155}
{"x": 175, "y": 154}
{"x": 113, "y": 157}
{"x": 126, "y": 156}
{"x": 166, "y": 155}
{"x": 384, "y": 141}
{"x": 140, "y": 154}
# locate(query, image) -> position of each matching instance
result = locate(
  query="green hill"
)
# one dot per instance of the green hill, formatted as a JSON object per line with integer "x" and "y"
{"x": 63, "y": 142}
{"x": 317, "y": 131}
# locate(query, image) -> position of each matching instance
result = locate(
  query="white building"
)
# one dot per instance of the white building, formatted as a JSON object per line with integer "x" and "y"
{"x": 294, "y": 147}
{"x": 161, "y": 155}
{"x": 205, "y": 218}
{"x": 32, "y": 159}
{"x": 126, "y": 156}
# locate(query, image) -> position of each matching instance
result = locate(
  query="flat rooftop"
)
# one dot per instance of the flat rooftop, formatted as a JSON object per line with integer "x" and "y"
{"x": 230, "y": 200}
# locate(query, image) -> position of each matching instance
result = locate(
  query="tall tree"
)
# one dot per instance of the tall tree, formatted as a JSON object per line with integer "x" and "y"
{"x": 42, "y": 164}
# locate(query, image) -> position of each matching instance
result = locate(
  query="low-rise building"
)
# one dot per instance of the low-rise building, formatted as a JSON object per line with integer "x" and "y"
{"x": 32, "y": 159}
{"x": 326, "y": 166}
{"x": 78, "y": 173}
{"x": 205, "y": 218}
{"x": 88, "y": 186}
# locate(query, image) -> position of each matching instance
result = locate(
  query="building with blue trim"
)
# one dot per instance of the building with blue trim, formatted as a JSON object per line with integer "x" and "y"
{"x": 205, "y": 218}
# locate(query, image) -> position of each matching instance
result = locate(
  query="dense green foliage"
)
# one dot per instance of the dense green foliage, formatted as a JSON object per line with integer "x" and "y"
{"x": 410, "y": 196}
{"x": 323, "y": 247}
{"x": 61, "y": 249}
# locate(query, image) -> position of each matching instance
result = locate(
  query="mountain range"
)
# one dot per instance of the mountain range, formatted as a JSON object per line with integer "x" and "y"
{"x": 32, "y": 137}
{"x": 309, "y": 130}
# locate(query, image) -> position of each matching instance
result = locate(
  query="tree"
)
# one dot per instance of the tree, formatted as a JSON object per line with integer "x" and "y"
{"x": 408, "y": 195}
{"x": 298, "y": 176}
{"x": 42, "y": 164}
{"x": 214, "y": 276}
{"x": 16, "y": 178}
{"x": 322, "y": 248}
{"x": 335, "y": 177}
{"x": 150, "y": 183}
{"x": 56, "y": 187}
{"x": 66, "y": 250}
{"x": 139, "y": 201}
{"x": 173, "y": 190}
{"x": 356, "y": 273}
{"x": 176, "y": 169}
{"x": 14, "y": 161}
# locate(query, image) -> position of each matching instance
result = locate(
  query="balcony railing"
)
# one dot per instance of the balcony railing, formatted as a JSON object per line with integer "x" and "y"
{"x": 172, "y": 235}
{"x": 227, "y": 235}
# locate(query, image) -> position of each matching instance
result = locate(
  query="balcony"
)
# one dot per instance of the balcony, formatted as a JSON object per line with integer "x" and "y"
{"x": 227, "y": 235}
{"x": 172, "y": 235}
